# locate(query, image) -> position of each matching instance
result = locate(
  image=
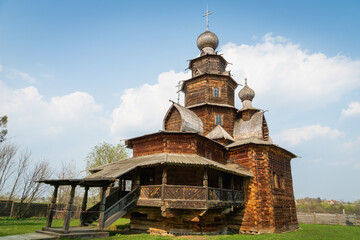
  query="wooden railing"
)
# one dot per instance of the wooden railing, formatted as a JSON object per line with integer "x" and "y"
{"x": 179, "y": 192}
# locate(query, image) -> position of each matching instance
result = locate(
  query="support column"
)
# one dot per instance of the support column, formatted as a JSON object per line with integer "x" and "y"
{"x": 69, "y": 208}
{"x": 52, "y": 206}
{"x": 164, "y": 182}
{"x": 102, "y": 207}
{"x": 137, "y": 181}
{"x": 232, "y": 188}
{"x": 206, "y": 184}
{"x": 120, "y": 187}
{"x": 221, "y": 185}
{"x": 83, "y": 206}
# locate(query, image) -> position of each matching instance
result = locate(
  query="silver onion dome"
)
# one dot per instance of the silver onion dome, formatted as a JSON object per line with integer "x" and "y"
{"x": 246, "y": 93}
{"x": 207, "y": 42}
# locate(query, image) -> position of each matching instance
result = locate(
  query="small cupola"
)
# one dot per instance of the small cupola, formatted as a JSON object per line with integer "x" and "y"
{"x": 246, "y": 96}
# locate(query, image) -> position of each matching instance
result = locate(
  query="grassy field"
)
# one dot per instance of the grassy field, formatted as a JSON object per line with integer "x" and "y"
{"x": 10, "y": 226}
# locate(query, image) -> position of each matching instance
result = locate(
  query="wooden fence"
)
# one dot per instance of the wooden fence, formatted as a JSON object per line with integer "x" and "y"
{"x": 11, "y": 208}
{"x": 327, "y": 218}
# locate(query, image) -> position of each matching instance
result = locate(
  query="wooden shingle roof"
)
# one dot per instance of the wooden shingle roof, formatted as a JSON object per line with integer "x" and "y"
{"x": 121, "y": 167}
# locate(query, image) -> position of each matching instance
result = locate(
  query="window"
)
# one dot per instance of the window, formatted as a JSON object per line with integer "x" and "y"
{"x": 216, "y": 92}
{"x": 218, "y": 120}
{"x": 208, "y": 155}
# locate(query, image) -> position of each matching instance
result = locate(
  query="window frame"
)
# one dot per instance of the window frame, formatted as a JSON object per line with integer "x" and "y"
{"x": 218, "y": 118}
{"x": 216, "y": 92}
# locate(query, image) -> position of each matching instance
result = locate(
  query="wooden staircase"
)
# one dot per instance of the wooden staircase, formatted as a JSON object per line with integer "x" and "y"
{"x": 116, "y": 206}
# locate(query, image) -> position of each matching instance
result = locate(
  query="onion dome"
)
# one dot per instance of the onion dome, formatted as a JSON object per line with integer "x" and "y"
{"x": 246, "y": 93}
{"x": 207, "y": 42}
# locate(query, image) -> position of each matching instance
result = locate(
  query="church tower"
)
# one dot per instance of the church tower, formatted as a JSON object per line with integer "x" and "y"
{"x": 210, "y": 91}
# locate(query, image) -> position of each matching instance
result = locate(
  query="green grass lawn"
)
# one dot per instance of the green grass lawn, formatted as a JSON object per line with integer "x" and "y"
{"x": 10, "y": 226}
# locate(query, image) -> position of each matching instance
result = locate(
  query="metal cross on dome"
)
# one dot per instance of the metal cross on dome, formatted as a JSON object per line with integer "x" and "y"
{"x": 207, "y": 13}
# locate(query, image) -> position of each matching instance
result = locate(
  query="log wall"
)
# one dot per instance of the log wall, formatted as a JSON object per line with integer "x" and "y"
{"x": 181, "y": 143}
{"x": 178, "y": 222}
{"x": 201, "y": 90}
{"x": 207, "y": 114}
{"x": 266, "y": 209}
{"x": 174, "y": 122}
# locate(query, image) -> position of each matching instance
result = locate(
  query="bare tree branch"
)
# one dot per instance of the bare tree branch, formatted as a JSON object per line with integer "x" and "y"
{"x": 7, "y": 162}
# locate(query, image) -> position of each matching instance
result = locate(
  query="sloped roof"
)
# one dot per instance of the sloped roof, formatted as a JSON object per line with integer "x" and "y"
{"x": 219, "y": 132}
{"x": 252, "y": 128}
{"x": 258, "y": 142}
{"x": 190, "y": 121}
{"x": 119, "y": 168}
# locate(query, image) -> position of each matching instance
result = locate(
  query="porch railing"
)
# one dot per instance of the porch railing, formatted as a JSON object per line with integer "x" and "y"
{"x": 179, "y": 192}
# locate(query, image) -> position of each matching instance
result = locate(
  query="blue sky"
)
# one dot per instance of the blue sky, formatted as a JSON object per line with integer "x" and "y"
{"x": 76, "y": 73}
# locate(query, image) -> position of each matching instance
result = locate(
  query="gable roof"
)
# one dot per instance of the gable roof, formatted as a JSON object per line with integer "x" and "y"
{"x": 121, "y": 167}
{"x": 219, "y": 132}
{"x": 252, "y": 128}
{"x": 190, "y": 122}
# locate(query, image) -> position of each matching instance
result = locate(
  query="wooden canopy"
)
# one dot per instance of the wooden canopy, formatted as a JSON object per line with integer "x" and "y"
{"x": 119, "y": 168}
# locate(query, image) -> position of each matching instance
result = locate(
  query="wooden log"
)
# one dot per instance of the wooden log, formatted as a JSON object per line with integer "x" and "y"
{"x": 69, "y": 209}
{"x": 83, "y": 206}
{"x": 52, "y": 206}
{"x": 101, "y": 221}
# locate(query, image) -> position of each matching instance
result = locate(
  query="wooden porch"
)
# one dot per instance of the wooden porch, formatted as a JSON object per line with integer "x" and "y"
{"x": 189, "y": 197}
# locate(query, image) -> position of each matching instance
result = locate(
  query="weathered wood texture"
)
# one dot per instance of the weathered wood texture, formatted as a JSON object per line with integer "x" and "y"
{"x": 267, "y": 209}
{"x": 207, "y": 113}
{"x": 174, "y": 121}
{"x": 179, "y": 222}
{"x": 201, "y": 90}
{"x": 215, "y": 64}
{"x": 186, "y": 143}
{"x": 323, "y": 218}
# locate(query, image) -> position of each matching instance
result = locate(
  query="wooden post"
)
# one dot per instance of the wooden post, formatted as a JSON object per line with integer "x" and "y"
{"x": 83, "y": 206}
{"x": 120, "y": 187}
{"x": 164, "y": 182}
{"x": 69, "y": 208}
{"x": 232, "y": 188}
{"x": 221, "y": 184}
{"x": 206, "y": 184}
{"x": 315, "y": 222}
{"x": 52, "y": 206}
{"x": 102, "y": 207}
{"x": 137, "y": 181}
{"x": 337, "y": 219}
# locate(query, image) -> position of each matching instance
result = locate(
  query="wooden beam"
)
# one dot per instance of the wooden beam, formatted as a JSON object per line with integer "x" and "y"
{"x": 69, "y": 209}
{"x": 206, "y": 184}
{"x": 83, "y": 206}
{"x": 101, "y": 221}
{"x": 52, "y": 206}
{"x": 164, "y": 182}
{"x": 232, "y": 187}
{"x": 221, "y": 185}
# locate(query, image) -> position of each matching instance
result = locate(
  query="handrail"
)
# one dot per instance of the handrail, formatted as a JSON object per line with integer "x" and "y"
{"x": 214, "y": 194}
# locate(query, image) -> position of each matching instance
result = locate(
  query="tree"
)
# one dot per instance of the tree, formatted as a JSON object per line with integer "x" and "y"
{"x": 105, "y": 153}
{"x": 3, "y": 130}
{"x": 32, "y": 188}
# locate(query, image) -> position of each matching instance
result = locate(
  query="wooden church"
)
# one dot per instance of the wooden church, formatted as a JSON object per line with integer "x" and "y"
{"x": 212, "y": 169}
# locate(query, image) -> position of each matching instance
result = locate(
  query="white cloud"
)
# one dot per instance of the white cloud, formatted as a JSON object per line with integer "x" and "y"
{"x": 280, "y": 70}
{"x": 295, "y": 136}
{"x": 27, "y": 110}
{"x": 142, "y": 109}
{"x": 15, "y": 74}
{"x": 353, "y": 109}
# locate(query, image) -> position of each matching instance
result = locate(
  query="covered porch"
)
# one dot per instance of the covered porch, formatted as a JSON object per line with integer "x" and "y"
{"x": 189, "y": 187}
